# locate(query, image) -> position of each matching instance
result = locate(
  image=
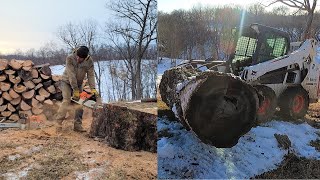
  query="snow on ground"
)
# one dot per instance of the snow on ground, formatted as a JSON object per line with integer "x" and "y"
{"x": 184, "y": 156}
{"x": 167, "y": 63}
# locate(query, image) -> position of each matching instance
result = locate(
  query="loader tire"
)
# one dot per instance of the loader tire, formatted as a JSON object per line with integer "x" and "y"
{"x": 293, "y": 103}
{"x": 268, "y": 104}
{"x": 222, "y": 109}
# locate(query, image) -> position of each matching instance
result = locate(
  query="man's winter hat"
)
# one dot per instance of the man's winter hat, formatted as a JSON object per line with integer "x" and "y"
{"x": 83, "y": 51}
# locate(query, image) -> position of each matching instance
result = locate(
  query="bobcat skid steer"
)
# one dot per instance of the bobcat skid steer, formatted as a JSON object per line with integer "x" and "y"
{"x": 262, "y": 76}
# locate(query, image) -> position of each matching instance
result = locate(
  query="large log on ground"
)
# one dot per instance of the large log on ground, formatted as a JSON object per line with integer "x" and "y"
{"x": 125, "y": 128}
{"x": 217, "y": 107}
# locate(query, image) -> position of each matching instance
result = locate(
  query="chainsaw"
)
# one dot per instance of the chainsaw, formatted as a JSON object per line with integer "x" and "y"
{"x": 88, "y": 100}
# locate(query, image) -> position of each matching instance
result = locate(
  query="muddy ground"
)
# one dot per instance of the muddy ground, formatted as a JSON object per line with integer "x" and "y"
{"x": 45, "y": 154}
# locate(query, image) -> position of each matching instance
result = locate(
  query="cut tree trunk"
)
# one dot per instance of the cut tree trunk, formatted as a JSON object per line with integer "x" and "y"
{"x": 14, "y": 117}
{"x": 16, "y": 101}
{"x": 5, "y": 86}
{"x": 6, "y": 96}
{"x": 218, "y": 107}
{"x": 44, "y": 93}
{"x": 15, "y": 64}
{"x": 19, "y": 88}
{"x": 3, "y": 64}
{"x": 3, "y": 107}
{"x": 24, "y": 106}
{"x": 3, "y": 77}
{"x": 14, "y": 79}
{"x": 13, "y": 94}
{"x": 28, "y": 94}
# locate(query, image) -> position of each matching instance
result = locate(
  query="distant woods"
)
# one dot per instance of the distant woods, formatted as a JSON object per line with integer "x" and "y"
{"x": 205, "y": 32}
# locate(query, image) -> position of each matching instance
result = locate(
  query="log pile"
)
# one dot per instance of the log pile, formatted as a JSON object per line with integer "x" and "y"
{"x": 126, "y": 128}
{"x": 25, "y": 88}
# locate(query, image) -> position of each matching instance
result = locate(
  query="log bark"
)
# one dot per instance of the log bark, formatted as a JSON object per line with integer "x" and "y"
{"x": 16, "y": 101}
{"x": 14, "y": 79}
{"x": 6, "y": 113}
{"x": 29, "y": 84}
{"x": 15, "y": 64}
{"x": 28, "y": 94}
{"x": 3, "y": 64}
{"x": 24, "y": 106}
{"x": 217, "y": 107}
{"x": 6, "y": 96}
{"x": 3, "y": 77}
{"x": 13, "y": 94}
{"x": 19, "y": 88}
{"x": 14, "y": 117}
{"x": 25, "y": 75}
{"x": 3, "y": 107}
{"x": 43, "y": 93}
{"x": 11, "y": 108}
{"x": 5, "y": 86}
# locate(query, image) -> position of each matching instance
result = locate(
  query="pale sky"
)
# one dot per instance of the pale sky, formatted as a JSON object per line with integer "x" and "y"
{"x": 27, "y": 24}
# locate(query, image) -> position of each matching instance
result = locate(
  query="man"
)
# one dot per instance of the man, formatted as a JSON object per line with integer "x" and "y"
{"x": 78, "y": 65}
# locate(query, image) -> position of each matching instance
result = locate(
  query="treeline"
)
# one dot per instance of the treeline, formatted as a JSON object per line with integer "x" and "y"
{"x": 205, "y": 32}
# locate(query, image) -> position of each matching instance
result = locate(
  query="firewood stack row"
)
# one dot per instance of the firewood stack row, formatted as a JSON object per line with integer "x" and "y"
{"x": 25, "y": 88}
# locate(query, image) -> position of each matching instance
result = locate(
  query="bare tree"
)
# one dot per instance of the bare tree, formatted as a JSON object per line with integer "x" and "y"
{"x": 302, "y": 5}
{"x": 136, "y": 29}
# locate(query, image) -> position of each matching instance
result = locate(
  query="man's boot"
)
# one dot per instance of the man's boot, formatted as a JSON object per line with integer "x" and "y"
{"x": 78, "y": 121}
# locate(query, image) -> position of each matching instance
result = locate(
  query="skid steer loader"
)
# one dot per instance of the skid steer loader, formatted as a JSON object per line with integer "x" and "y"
{"x": 262, "y": 76}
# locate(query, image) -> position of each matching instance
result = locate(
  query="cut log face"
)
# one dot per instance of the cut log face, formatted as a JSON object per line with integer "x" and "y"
{"x": 3, "y": 77}
{"x": 29, "y": 84}
{"x": 14, "y": 79}
{"x": 37, "y": 81}
{"x": 27, "y": 68}
{"x": 34, "y": 74}
{"x": 56, "y": 78}
{"x": 40, "y": 98}
{"x": 51, "y": 89}
{"x": 19, "y": 88}
{"x": 45, "y": 77}
{"x": 11, "y": 108}
{"x": 13, "y": 94}
{"x": 48, "y": 101}
{"x": 36, "y": 103}
{"x": 38, "y": 86}
{"x": 15, "y": 64}
{"x": 25, "y": 75}
{"x": 16, "y": 101}
{"x": 24, "y": 106}
{"x": 3, "y": 107}
{"x": 45, "y": 69}
{"x": 9, "y": 71}
{"x": 46, "y": 84}
{"x": 27, "y": 63}
{"x": 3, "y": 64}
{"x": 6, "y": 113}
{"x": 44, "y": 93}
{"x": 36, "y": 111}
{"x": 14, "y": 117}
{"x": 6, "y": 96}
{"x": 5, "y": 86}
{"x": 28, "y": 94}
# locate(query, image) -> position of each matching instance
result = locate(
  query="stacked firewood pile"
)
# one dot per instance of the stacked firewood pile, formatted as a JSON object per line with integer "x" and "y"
{"x": 26, "y": 88}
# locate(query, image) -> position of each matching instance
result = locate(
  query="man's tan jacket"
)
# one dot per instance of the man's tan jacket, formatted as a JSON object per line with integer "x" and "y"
{"x": 75, "y": 73}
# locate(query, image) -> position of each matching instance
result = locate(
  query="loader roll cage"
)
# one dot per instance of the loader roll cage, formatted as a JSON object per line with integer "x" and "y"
{"x": 257, "y": 44}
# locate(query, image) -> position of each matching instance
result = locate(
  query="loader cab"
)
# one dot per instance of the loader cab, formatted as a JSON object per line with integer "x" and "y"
{"x": 256, "y": 44}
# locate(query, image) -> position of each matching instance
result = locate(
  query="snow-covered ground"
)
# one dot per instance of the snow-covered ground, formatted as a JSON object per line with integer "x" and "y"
{"x": 107, "y": 86}
{"x": 182, "y": 155}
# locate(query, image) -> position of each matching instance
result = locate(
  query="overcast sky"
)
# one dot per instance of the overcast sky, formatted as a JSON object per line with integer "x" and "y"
{"x": 29, "y": 24}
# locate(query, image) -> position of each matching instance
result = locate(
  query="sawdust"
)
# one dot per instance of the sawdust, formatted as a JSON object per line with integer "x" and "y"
{"x": 44, "y": 154}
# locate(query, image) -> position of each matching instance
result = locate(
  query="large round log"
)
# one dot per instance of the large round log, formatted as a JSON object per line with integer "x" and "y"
{"x": 217, "y": 107}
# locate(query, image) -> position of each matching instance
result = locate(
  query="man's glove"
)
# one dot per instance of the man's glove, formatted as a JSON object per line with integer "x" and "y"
{"x": 76, "y": 95}
{"x": 95, "y": 92}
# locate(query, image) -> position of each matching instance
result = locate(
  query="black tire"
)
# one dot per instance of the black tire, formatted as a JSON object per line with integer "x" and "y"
{"x": 268, "y": 104}
{"x": 294, "y": 103}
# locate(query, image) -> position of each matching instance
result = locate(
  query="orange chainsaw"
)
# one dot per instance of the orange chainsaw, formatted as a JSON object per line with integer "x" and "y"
{"x": 88, "y": 100}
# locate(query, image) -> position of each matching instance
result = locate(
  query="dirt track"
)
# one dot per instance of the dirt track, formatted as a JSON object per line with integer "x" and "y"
{"x": 44, "y": 154}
